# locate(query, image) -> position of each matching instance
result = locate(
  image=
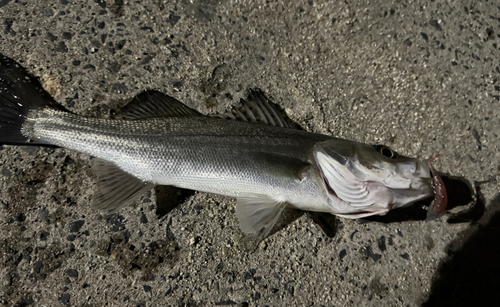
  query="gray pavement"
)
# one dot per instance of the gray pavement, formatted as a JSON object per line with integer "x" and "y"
{"x": 418, "y": 76}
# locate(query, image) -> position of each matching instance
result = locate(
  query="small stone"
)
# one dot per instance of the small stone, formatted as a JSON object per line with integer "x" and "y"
{"x": 21, "y": 217}
{"x": 44, "y": 235}
{"x": 116, "y": 221}
{"x": 43, "y": 214}
{"x": 51, "y": 36}
{"x": 381, "y": 243}
{"x": 72, "y": 273}
{"x": 64, "y": 298}
{"x": 76, "y": 225}
{"x": 342, "y": 254}
{"x": 61, "y": 47}
{"x": 68, "y": 160}
{"x": 38, "y": 267}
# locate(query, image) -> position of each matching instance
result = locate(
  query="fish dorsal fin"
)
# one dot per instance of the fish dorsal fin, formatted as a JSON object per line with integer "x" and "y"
{"x": 257, "y": 108}
{"x": 258, "y": 214}
{"x": 115, "y": 188}
{"x": 153, "y": 104}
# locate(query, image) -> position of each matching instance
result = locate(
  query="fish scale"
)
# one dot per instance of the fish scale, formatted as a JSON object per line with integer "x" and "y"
{"x": 168, "y": 150}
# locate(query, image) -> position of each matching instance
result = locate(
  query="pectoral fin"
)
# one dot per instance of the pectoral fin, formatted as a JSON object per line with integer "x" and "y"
{"x": 258, "y": 214}
{"x": 283, "y": 165}
{"x": 115, "y": 188}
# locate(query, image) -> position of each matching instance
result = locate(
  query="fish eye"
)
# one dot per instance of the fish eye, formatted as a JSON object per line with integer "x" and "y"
{"x": 386, "y": 151}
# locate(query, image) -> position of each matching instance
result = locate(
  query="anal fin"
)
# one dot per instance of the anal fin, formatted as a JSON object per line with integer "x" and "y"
{"x": 258, "y": 214}
{"x": 115, "y": 188}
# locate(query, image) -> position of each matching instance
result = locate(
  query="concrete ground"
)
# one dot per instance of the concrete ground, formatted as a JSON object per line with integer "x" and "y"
{"x": 418, "y": 76}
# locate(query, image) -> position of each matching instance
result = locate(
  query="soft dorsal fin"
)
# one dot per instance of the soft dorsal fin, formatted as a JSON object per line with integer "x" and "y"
{"x": 152, "y": 104}
{"x": 258, "y": 109}
{"x": 114, "y": 187}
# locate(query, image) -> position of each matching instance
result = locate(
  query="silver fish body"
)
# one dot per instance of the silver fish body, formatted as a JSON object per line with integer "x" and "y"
{"x": 207, "y": 154}
{"x": 265, "y": 166}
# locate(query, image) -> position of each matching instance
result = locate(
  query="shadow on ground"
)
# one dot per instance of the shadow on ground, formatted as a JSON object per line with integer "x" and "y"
{"x": 169, "y": 197}
{"x": 471, "y": 276}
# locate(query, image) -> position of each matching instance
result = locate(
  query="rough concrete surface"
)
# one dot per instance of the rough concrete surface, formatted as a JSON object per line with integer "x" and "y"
{"x": 418, "y": 76}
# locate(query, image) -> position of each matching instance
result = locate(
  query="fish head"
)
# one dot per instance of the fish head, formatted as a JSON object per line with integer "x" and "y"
{"x": 362, "y": 180}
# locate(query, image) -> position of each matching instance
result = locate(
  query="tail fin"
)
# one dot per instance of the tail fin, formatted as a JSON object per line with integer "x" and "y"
{"x": 19, "y": 94}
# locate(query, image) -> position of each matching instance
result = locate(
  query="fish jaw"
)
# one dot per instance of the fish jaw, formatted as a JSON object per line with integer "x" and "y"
{"x": 360, "y": 182}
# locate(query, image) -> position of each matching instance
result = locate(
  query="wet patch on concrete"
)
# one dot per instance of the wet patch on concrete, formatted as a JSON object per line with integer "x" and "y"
{"x": 42, "y": 261}
{"x": 146, "y": 258}
{"x": 26, "y": 183}
{"x": 216, "y": 84}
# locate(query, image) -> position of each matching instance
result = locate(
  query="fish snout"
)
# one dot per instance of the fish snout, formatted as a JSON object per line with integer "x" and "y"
{"x": 414, "y": 169}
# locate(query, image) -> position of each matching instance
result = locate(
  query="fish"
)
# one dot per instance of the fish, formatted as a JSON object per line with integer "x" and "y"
{"x": 252, "y": 153}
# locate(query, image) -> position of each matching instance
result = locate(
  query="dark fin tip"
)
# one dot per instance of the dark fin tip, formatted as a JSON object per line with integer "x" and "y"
{"x": 257, "y": 108}
{"x": 20, "y": 93}
{"x": 154, "y": 104}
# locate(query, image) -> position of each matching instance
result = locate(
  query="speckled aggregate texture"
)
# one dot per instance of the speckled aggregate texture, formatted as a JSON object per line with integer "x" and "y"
{"x": 418, "y": 76}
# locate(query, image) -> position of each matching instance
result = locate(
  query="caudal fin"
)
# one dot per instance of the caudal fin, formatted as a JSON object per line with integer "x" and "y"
{"x": 19, "y": 95}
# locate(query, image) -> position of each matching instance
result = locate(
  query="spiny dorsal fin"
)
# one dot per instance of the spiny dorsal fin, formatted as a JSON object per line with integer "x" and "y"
{"x": 258, "y": 109}
{"x": 153, "y": 104}
{"x": 115, "y": 188}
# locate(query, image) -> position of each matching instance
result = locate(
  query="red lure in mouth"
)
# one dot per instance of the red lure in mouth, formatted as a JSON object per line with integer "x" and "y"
{"x": 438, "y": 205}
